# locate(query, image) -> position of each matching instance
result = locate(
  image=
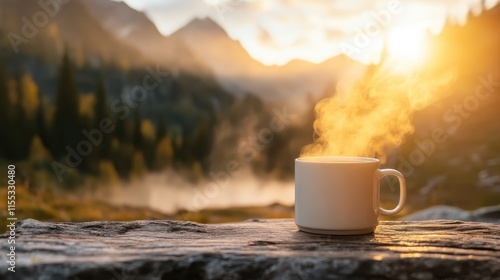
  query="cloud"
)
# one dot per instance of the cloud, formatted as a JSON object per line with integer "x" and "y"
{"x": 276, "y": 32}
{"x": 170, "y": 15}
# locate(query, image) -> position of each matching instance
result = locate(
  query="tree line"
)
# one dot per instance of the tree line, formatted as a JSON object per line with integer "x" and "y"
{"x": 46, "y": 134}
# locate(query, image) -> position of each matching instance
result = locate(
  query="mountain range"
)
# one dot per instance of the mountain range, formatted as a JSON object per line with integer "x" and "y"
{"x": 202, "y": 47}
{"x": 45, "y": 31}
{"x": 112, "y": 32}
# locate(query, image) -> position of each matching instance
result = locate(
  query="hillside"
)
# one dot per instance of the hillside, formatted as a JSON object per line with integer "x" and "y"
{"x": 73, "y": 26}
{"x": 203, "y": 48}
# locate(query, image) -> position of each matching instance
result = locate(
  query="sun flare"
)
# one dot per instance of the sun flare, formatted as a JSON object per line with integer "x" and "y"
{"x": 407, "y": 46}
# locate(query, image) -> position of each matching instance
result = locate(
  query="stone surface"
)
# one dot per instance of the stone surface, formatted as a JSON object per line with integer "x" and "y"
{"x": 490, "y": 214}
{"x": 255, "y": 249}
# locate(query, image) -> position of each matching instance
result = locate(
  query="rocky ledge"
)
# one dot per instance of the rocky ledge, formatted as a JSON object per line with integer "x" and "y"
{"x": 255, "y": 249}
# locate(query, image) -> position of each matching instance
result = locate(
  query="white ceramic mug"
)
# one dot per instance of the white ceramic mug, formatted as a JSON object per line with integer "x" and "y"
{"x": 340, "y": 195}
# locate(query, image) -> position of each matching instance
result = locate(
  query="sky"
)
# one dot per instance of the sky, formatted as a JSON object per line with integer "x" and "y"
{"x": 278, "y": 31}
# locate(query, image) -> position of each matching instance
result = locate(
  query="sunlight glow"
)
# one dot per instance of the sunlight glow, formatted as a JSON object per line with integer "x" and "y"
{"x": 277, "y": 32}
{"x": 407, "y": 46}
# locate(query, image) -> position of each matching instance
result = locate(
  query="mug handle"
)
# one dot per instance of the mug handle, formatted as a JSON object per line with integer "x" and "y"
{"x": 402, "y": 191}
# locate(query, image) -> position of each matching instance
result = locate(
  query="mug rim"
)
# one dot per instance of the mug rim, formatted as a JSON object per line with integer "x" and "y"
{"x": 337, "y": 159}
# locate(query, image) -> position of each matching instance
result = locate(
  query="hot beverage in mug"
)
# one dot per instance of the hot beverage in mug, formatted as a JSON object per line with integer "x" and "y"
{"x": 340, "y": 195}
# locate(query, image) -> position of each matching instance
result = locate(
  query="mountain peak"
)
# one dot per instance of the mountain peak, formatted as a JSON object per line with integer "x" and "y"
{"x": 202, "y": 24}
{"x": 119, "y": 16}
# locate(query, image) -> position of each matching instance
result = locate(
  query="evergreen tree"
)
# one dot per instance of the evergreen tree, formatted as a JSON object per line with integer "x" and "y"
{"x": 41, "y": 125}
{"x": 101, "y": 112}
{"x": 101, "y": 105}
{"x": 121, "y": 130}
{"x": 161, "y": 130}
{"x": 202, "y": 140}
{"x": 16, "y": 129}
{"x": 137, "y": 136}
{"x": 5, "y": 109}
{"x": 23, "y": 133}
{"x": 66, "y": 127}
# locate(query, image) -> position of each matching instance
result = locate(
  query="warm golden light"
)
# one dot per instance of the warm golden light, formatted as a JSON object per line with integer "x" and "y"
{"x": 374, "y": 114}
{"x": 407, "y": 46}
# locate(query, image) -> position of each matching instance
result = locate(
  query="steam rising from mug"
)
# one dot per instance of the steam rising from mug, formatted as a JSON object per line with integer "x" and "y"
{"x": 374, "y": 114}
